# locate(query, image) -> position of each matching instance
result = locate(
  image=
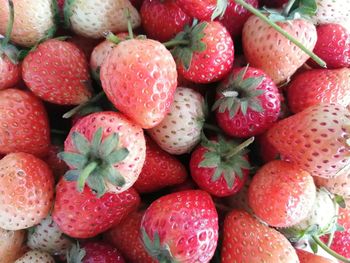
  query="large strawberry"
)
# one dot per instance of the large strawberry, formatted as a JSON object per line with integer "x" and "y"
{"x": 307, "y": 257}
{"x": 10, "y": 244}
{"x": 181, "y": 227}
{"x": 248, "y": 103}
{"x": 180, "y": 130}
{"x": 35, "y": 256}
{"x": 140, "y": 78}
{"x": 105, "y": 150}
{"x": 245, "y": 239}
{"x": 316, "y": 139}
{"x": 92, "y": 18}
{"x": 317, "y": 86}
{"x": 26, "y": 191}
{"x": 24, "y": 123}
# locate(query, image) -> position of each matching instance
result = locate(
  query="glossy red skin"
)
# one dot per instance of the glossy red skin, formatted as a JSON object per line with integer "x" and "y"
{"x": 203, "y": 176}
{"x": 253, "y": 123}
{"x": 235, "y": 16}
{"x": 216, "y": 61}
{"x": 159, "y": 170}
{"x": 187, "y": 222}
{"x": 24, "y": 125}
{"x": 58, "y": 166}
{"x": 273, "y": 3}
{"x": 162, "y": 20}
{"x": 101, "y": 252}
{"x": 307, "y": 257}
{"x": 126, "y": 238}
{"x": 10, "y": 74}
{"x": 84, "y": 215}
{"x": 333, "y": 46}
{"x": 200, "y": 9}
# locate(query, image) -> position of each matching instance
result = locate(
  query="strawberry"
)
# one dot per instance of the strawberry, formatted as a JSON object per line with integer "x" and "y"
{"x": 33, "y": 20}
{"x": 281, "y": 194}
{"x": 317, "y": 86}
{"x": 306, "y": 257}
{"x": 140, "y": 78}
{"x": 160, "y": 170}
{"x": 267, "y": 152}
{"x": 26, "y": 191}
{"x": 181, "y": 227}
{"x": 162, "y": 20}
{"x": 333, "y": 46}
{"x": 10, "y": 72}
{"x": 180, "y": 130}
{"x": 204, "y": 52}
{"x": 84, "y": 215}
{"x": 203, "y": 9}
{"x": 247, "y": 104}
{"x": 24, "y": 123}
{"x": 92, "y": 18}
{"x": 10, "y": 245}
{"x": 220, "y": 166}
{"x": 316, "y": 139}
{"x": 126, "y": 238}
{"x": 106, "y": 151}
{"x": 240, "y": 200}
{"x": 58, "y": 166}
{"x": 57, "y": 72}
{"x": 47, "y": 237}
{"x": 35, "y": 256}
{"x": 245, "y": 239}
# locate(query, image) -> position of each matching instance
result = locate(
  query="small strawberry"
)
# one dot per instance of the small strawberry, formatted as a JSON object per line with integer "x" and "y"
{"x": 317, "y": 86}
{"x": 92, "y": 18}
{"x": 159, "y": 170}
{"x": 140, "y": 78}
{"x": 180, "y": 130}
{"x": 307, "y": 257}
{"x": 24, "y": 123}
{"x": 84, "y": 215}
{"x": 203, "y": 9}
{"x": 35, "y": 256}
{"x": 316, "y": 139}
{"x": 58, "y": 166}
{"x": 10, "y": 245}
{"x": 10, "y": 73}
{"x": 181, "y": 227}
{"x": 245, "y": 239}
{"x": 26, "y": 191}
{"x": 247, "y": 104}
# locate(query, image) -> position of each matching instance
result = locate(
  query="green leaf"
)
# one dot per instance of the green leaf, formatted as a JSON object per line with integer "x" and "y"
{"x": 149, "y": 244}
{"x": 72, "y": 175}
{"x": 255, "y": 105}
{"x": 75, "y": 254}
{"x": 185, "y": 56}
{"x": 217, "y": 174}
{"x": 81, "y": 143}
{"x": 113, "y": 176}
{"x": 220, "y": 9}
{"x": 117, "y": 156}
{"x": 211, "y": 160}
{"x": 97, "y": 183}
{"x": 109, "y": 144}
{"x": 244, "y": 107}
{"x": 313, "y": 246}
{"x": 67, "y": 12}
{"x": 12, "y": 53}
{"x": 75, "y": 160}
{"x": 229, "y": 178}
{"x": 340, "y": 201}
{"x": 252, "y": 83}
{"x": 96, "y": 141}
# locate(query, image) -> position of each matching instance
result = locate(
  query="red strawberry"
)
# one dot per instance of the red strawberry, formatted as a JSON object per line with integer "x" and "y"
{"x": 162, "y": 20}
{"x": 281, "y": 194}
{"x": 84, "y": 215}
{"x": 26, "y": 191}
{"x": 24, "y": 124}
{"x": 159, "y": 170}
{"x": 203, "y": 9}
{"x": 316, "y": 139}
{"x": 58, "y": 167}
{"x": 126, "y": 238}
{"x": 10, "y": 244}
{"x": 181, "y": 227}
{"x": 248, "y": 103}
{"x": 57, "y": 72}
{"x": 139, "y": 78}
{"x": 306, "y": 257}
{"x": 317, "y": 86}
{"x": 248, "y": 240}
{"x": 10, "y": 73}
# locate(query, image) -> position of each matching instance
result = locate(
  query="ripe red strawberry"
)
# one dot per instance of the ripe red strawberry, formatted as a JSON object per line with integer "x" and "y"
{"x": 57, "y": 166}
{"x": 162, "y": 20}
{"x": 35, "y": 256}
{"x": 140, "y": 78}
{"x": 26, "y": 191}
{"x": 208, "y": 53}
{"x": 281, "y": 194}
{"x": 316, "y": 139}
{"x": 333, "y": 46}
{"x": 84, "y": 215}
{"x": 220, "y": 166}
{"x": 24, "y": 124}
{"x": 317, "y": 86}
{"x": 126, "y": 238}
{"x": 181, "y": 227}
{"x": 57, "y": 72}
{"x": 247, "y": 104}
{"x": 105, "y": 150}
{"x": 10, "y": 244}
{"x": 203, "y": 9}
{"x": 245, "y": 239}
{"x": 10, "y": 73}
{"x": 159, "y": 170}
{"x": 307, "y": 257}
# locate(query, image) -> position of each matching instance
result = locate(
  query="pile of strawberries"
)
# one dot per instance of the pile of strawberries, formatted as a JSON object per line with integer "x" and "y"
{"x": 171, "y": 131}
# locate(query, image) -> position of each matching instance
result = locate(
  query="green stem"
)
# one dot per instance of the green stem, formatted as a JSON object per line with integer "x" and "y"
{"x": 174, "y": 42}
{"x": 330, "y": 251}
{"x": 9, "y": 25}
{"x": 211, "y": 127}
{"x": 113, "y": 38}
{"x": 256, "y": 12}
{"x": 85, "y": 174}
{"x": 240, "y": 147}
{"x": 128, "y": 17}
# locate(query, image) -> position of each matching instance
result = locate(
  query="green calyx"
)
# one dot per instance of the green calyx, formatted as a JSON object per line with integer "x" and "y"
{"x": 94, "y": 163}
{"x": 226, "y": 157}
{"x": 239, "y": 94}
{"x": 67, "y": 12}
{"x": 220, "y": 9}
{"x": 75, "y": 254}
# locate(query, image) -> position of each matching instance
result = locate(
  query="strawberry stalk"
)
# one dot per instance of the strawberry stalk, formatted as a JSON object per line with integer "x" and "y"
{"x": 240, "y": 147}
{"x": 329, "y": 251}
{"x": 6, "y": 40}
{"x": 128, "y": 17}
{"x": 256, "y": 12}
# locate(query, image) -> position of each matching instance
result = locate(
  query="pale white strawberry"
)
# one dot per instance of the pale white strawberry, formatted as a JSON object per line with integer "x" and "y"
{"x": 47, "y": 237}
{"x": 35, "y": 256}
{"x": 180, "y": 130}
{"x": 10, "y": 244}
{"x": 98, "y": 55}
{"x": 92, "y": 18}
{"x": 33, "y": 20}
